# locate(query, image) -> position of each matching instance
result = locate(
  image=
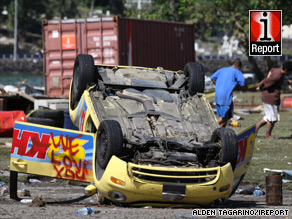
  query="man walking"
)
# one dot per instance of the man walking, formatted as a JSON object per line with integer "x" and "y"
{"x": 225, "y": 80}
{"x": 271, "y": 97}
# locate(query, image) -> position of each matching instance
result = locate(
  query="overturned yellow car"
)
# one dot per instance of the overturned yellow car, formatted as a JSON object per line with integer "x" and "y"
{"x": 147, "y": 136}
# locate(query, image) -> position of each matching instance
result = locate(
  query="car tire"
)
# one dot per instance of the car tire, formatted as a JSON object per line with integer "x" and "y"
{"x": 195, "y": 78}
{"x": 109, "y": 141}
{"x": 83, "y": 73}
{"x": 50, "y": 114}
{"x": 102, "y": 200}
{"x": 234, "y": 188}
{"x": 45, "y": 121}
{"x": 227, "y": 140}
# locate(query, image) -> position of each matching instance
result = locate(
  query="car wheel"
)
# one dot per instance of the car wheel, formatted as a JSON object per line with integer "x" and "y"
{"x": 50, "y": 114}
{"x": 109, "y": 141}
{"x": 226, "y": 138}
{"x": 195, "y": 78}
{"x": 236, "y": 184}
{"x": 45, "y": 121}
{"x": 83, "y": 73}
{"x": 102, "y": 200}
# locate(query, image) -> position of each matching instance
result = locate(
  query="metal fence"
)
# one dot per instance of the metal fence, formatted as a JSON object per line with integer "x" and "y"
{"x": 217, "y": 57}
{"x": 22, "y": 56}
{"x": 198, "y": 57}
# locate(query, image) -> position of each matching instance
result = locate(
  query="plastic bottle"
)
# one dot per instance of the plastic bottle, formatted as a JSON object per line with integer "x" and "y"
{"x": 26, "y": 201}
{"x": 258, "y": 191}
{"x": 34, "y": 181}
{"x": 86, "y": 211}
{"x": 4, "y": 191}
{"x": 185, "y": 216}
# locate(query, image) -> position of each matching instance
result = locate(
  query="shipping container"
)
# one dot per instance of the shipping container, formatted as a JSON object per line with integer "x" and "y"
{"x": 112, "y": 41}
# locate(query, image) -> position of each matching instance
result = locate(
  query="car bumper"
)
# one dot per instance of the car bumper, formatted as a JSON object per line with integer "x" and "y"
{"x": 139, "y": 185}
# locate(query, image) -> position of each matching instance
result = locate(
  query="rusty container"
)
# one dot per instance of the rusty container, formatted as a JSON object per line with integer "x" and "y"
{"x": 112, "y": 41}
{"x": 274, "y": 190}
{"x": 287, "y": 102}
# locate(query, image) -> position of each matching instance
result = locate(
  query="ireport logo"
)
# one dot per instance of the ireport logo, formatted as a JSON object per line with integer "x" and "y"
{"x": 265, "y": 32}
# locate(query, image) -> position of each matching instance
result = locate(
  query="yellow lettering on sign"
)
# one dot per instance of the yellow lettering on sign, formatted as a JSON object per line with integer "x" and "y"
{"x": 66, "y": 148}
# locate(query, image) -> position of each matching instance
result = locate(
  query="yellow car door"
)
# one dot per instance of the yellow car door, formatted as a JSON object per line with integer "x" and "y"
{"x": 50, "y": 151}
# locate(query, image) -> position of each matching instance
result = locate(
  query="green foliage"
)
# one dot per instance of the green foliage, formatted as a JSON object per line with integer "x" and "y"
{"x": 214, "y": 17}
{"x": 31, "y": 13}
{"x": 62, "y": 9}
{"x": 116, "y": 7}
{"x": 202, "y": 13}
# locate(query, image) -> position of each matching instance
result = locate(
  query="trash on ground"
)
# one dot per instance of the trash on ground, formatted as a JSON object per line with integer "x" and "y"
{"x": 148, "y": 206}
{"x": 4, "y": 191}
{"x": 38, "y": 201}
{"x": 233, "y": 123}
{"x": 185, "y": 216}
{"x": 11, "y": 89}
{"x": 86, "y": 211}
{"x": 247, "y": 191}
{"x": 258, "y": 191}
{"x": 25, "y": 201}
{"x": 34, "y": 181}
{"x": 7, "y": 120}
{"x": 22, "y": 87}
{"x": 23, "y": 192}
{"x": 246, "y": 111}
{"x": 236, "y": 118}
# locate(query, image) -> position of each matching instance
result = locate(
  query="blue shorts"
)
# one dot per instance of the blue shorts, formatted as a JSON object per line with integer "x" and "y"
{"x": 224, "y": 111}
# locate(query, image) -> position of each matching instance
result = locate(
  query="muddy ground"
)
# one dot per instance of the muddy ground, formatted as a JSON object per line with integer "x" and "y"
{"x": 59, "y": 191}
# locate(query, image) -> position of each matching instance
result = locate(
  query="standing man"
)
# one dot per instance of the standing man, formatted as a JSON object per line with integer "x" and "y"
{"x": 271, "y": 95}
{"x": 225, "y": 80}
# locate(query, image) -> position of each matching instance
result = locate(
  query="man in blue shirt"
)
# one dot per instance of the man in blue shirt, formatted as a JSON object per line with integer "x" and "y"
{"x": 225, "y": 80}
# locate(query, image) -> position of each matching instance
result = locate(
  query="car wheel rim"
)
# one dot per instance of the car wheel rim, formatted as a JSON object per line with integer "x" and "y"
{"x": 187, "y": 82}
{"x": 103, "y": 146}
{"x": 74, "y": 90}
{"x": 220, "y": 144}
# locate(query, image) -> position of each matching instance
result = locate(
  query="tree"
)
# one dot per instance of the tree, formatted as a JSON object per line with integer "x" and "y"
{"x": 31, "y": 13}
{"x": 201, "y": 12}
{"x": 235, "y": 16}
{"x": 4, "y": 13}
{"x": 115, "y": 7}
{"x": 62, "y": 9}
{"x": 211, "y": 16}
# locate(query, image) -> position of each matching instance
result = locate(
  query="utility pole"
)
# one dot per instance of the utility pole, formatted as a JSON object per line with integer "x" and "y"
{"x": 91, "y": 8}
{"x": 139, "y": 8}
{"x": 15, "y": 31}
